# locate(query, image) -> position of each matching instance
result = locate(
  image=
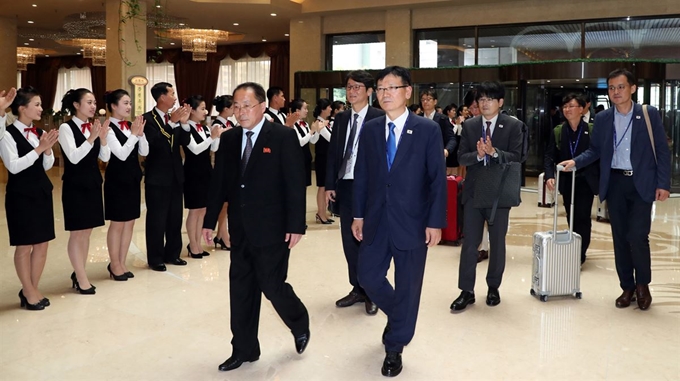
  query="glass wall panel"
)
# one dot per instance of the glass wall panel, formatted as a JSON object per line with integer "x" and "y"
{"x": 525, "y": 43}
{"x": 442, "y": 48}
{"x": 647, "y": 39}
{"x": 357, "y": 51}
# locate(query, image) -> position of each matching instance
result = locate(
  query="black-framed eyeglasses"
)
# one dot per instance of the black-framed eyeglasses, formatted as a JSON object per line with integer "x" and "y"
{"x": 390, "y": 89}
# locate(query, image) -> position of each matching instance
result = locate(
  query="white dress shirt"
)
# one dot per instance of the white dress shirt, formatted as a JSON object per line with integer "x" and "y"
{"x": 256, "y": 132}
{"x": 326, "y": 131}
{"x": 586, "y": 117}
{"x": 493, "y": 128}
{"x": 309, "y": 137}
{"x": 10, "y": 154}
{"x": 185, "y": 127}
{"x": 3, "y": 120}
{"x": 398, "y": 126}
{"x": 353, "y": 158}
{"x": 278, "y": 115}
{"x": 68, "y": 143}
{"x": 204, "y": 132}
{"x": 123, "y": 151}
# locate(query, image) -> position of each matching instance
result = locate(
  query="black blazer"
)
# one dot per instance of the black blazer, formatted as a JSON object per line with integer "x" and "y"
{"x": 555, "y": 154}
{"x": 269, "y": 200}
{"x": 507, "y": 137}
{"x": 448, "y": 138}
{"x": 336, "y": 148}
{"x": 163, "y": 165}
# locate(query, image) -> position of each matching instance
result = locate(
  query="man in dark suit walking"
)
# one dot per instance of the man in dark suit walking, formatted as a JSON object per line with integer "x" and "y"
{"x": 482, "y": 140}
{"x": 163, "y": 177}
{"x": 635, "y": 171}
{"x": 342, "y": 154}
{"x": 261, "y": 176}
{"x": 428, "y": 102}
{"x": 399, "y": 208}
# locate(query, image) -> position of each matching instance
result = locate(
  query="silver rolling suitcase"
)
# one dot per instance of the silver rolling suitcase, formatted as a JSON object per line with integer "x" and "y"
{"x": 546, "y": 197}
{"x": 557, "y": 257}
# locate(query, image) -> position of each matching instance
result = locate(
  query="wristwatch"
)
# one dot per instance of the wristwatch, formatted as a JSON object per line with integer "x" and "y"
{"x": 495, "y": 154}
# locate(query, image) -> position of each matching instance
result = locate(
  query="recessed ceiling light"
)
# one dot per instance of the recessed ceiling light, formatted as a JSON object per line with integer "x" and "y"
{"x": 181, "y": 24}
{"x": 47, "y": 55}
{"x": 586, "y": 86}
{"x": 235, "y": 24}
{"x": 548, "y": 81}
{"x": 561, "y": 87}
{"x": 25, "y": 43}
{"x": 30, "y": 22}
{"x": 287, "y": 35}
{"x": 172, "y": 43}
{"x": 528, "y": 81}
{"x": 578, "y": 80}
{"x": 82, "y": 50}
{"x": 158, "y": 6}
{"x": 31, "y": 39}
{"x": 273, "y": 14}
{"x": 264, "y": 40}
{"x": 78, "y": 53}
{"x": 160, "y": 47}
{"x": 35, "y": 5}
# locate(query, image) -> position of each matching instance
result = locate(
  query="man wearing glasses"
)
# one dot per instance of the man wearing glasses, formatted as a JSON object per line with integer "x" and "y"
{"x": 635, "y": 171}
{"x": 428, "y": 102}
{"x": 399, "y": 208}
{"x": 342, "y": 154}
{"x": 482, "y": 140}
{"x": 261, "y": 176}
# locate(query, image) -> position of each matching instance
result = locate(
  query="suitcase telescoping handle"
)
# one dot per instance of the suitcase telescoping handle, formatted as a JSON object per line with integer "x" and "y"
{"x": 560, "y": 168}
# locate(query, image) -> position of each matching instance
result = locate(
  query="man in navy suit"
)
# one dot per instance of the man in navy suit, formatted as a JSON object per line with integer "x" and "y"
{"x": 342, "y": 154}
{"x": 399, "y": 208}
{"x": 631, "y": 179}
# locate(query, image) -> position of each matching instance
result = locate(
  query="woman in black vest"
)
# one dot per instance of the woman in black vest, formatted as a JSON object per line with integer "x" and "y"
{"x": 122, "y": 193}
{"x": 306, "y": 134}
{"x": 82, "y": 143}
{"x": 27, "y": 154}
{"x": 224, "y": 106}
{"x": 322, "y": 112}
{"x": 197, "y": 170}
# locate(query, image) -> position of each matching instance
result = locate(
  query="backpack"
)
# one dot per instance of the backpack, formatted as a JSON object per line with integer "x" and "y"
{"x": 558, "y": 134}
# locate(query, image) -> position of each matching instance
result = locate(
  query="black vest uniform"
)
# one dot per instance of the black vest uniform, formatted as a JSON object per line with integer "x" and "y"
{"x": 307, "y": 154}
{"x": 197, "y": 172}
{"x": 81, "y": 195}
{"x": 28, "y": 201}
{"x": 122, "y": 193}
{"x": 275, "y": 118}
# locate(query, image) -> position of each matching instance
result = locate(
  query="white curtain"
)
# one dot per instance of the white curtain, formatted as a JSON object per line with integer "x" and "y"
{"x": 159, "y": 72}
{"x": 247, "y": 69}
{"x": 72, "y": 78}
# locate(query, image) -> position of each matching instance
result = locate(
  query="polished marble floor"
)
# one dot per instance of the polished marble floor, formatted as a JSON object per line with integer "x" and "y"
{"x": 175, "y": 325}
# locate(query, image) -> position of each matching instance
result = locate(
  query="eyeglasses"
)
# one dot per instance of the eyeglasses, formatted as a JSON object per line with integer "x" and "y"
{"x": 485, "y": 100}
{"x": 427, "y": 99}
{"x": 389, "y": 89}
{"x": 246, "y": 108}
{"x": 569, "y": 107}
{"x": 354, "y": 87}
{"x": 619, "y": 87}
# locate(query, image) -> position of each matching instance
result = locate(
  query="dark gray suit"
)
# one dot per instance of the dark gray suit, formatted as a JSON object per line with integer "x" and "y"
{"x": 506, "y": 137}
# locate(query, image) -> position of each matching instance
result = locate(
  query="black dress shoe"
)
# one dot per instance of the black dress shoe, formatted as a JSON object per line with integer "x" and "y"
{"x": 160, "y": 267}
{"x": 301, "y": 342}
{"x": 465, "y": 298}
{"x": 352, "y": 298}
{"x": 371, "y": 308}
{"x": 234, "y": 362}
{"x": 129, "y": 274}
{"x": 493, "y": 298}
{"x": 392, "y": 365}
{"x": 177, "y": 262}
{"x": 387, "y": 329}
{"x": 482, "y": 255}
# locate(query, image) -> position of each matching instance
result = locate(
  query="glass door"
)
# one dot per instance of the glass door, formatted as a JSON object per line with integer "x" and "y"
{"x": 671, "y": 120}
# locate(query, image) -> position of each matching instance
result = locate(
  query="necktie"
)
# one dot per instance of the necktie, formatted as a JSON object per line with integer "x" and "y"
{"x": 166, "y": 118}
{"x": 199, "y": 127}
{"x": 124, "y": 125}
{"x": 391, "y": 146}
{"x": 487, "y": 136}
{"x": 247, "y": 151}
{"x": 30, "y": 129}
{"x": 349, "y": 148}
{"x": 85, "y": 126}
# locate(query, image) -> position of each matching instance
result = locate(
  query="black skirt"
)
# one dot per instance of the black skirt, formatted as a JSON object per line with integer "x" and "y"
{"x": 320, "y": 169}
{"x": 30, "y": 217}
{"x": 122, "y": 200}
{"x": 83, "y": 206}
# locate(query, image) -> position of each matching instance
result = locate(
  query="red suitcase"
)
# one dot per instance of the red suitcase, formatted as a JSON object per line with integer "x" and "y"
{"x": 454, "y": 229}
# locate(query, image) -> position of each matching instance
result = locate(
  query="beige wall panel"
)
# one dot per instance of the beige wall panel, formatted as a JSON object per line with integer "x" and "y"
{"x": 398, "y": 37}
{"x": 306, "y": 47}
{"x": 8, "y": 53}
{"x": 354, "y": 22}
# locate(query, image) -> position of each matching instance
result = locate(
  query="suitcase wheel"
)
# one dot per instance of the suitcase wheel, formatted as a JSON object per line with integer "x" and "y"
{"x": 578, "y": 295}
{"x": 598, "y": 219}
{"x": 532, "y": 292}
{"x": 544, "y": 298}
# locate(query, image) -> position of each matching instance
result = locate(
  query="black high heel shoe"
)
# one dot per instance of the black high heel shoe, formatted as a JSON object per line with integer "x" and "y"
{"x": 192, "y": 255}
{"x": 219, "y": 241}
{"x": 121, "y": 277}
{"x": 325, "y": 222}
{"x": 31, "y": 307}
{"x": 129, "y": 274}
{"x": 74, "y": 280}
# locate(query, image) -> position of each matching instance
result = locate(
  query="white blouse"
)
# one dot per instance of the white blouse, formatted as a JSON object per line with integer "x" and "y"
{"x": 76, "y": 154}
{"x": 10, "y": 155}
{"x": 308, "y": 137}
{"x": 122, "y": 152}
{"x": 197, "y": 148}
{"x": 326, "y": 131}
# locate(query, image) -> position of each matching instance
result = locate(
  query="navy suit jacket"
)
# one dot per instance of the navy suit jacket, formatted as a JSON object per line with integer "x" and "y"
{"x": 412, "y": 195}
{"x": 648, "y": 174}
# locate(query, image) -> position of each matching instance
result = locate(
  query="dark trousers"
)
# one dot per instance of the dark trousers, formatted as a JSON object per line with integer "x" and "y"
{"x": 631, "y": 221}
{"x": 350, "y": 245}
{"x": 583, "y": 206}
{"x": 254, "y": 271}
{"x": 163, "y": 223}
{"x": 401, "y": 302}
{"x": 473, "y": 229}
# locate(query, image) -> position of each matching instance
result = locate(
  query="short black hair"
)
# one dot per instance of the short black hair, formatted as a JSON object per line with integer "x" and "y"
{"x": 573, "y": 96}
{"x": 336, "y": 106}
{"x": 71, "y": 97}
{"x": 222, "y": 101}
{"x": 396, "y": 71}
{"x": 23, "y": 98}
{"x": 429, "y": 91}
{"x": 414, "y": 107}
{"x": 470, "y": 98}
{"x": 361, "y": 76}
{"x": 161, "y": 88}
{"x": 450, "y": 107}
{"x": 490, "y": 89}
{"x": 194, "y": 101}
{"x": 321, "y": 105}
{"x": 256, "y": 87}
{"x": 296, "y": 104}
{"x": 272, "y": 92}
{"x": 113, "y": 97}
{"x": 618, "y": 72}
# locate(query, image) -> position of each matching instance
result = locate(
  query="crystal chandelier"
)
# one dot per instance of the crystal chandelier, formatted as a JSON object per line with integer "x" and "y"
{"x": 199, "y": 42}
{"x": 94, "y": 49}
{"x": 26, "y": 56}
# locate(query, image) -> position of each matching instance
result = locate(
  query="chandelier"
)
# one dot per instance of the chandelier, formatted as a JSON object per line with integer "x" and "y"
{"x": 26, "y": 56}
{"x": 94, "y": 49}
{"x": 199, "y": 42}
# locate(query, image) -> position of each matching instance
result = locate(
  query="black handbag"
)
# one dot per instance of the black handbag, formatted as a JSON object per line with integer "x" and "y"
{"x": 498, "y": 185}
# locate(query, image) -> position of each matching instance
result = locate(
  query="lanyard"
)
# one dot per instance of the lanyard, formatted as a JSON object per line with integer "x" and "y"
{"x": 574, "y": 145}
{"x": 617, "y": 144}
